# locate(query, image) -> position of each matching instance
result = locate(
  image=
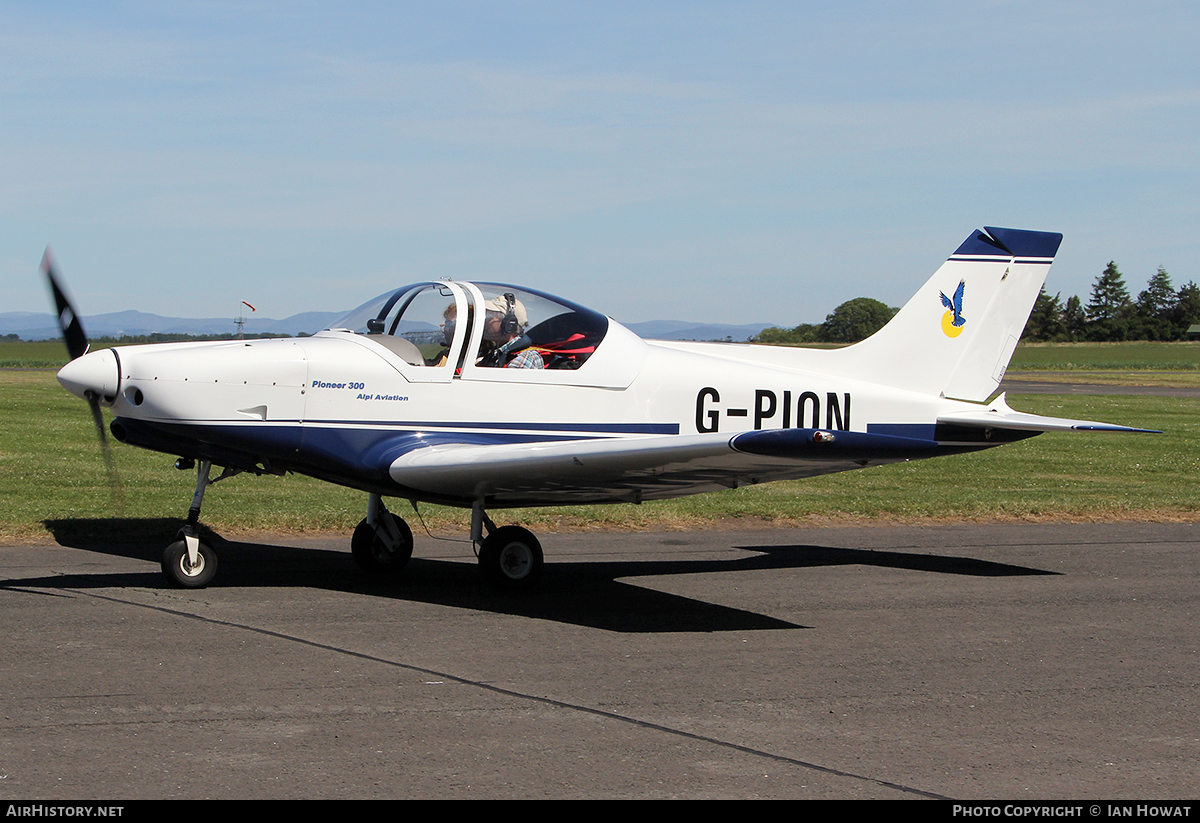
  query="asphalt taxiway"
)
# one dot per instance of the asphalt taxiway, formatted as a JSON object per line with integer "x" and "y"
{"x": 964, "y": 661}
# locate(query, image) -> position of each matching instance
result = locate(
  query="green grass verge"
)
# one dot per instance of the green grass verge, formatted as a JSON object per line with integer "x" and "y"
{"x": 36, "y": 354}
{"x": 1118, "y": 364}
{"x": 1135, "y": 355}
{"x": 51, "y": 470}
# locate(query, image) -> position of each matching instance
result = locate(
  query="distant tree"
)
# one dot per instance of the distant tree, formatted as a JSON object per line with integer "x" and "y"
{"x": 174, "y": 337}
{"x": 1154, "y": 307}
{"x": 1074, "y": 318}
{"x": 1110, "y": 311}
{"x": 855, "y": 320}
{"x": 1185, "y": 311}
{"x": 1046, "y": 320}
{"x": 775, "y": 336}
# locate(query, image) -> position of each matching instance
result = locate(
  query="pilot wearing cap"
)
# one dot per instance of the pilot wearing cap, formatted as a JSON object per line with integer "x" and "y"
{"x": 504, "y": 342}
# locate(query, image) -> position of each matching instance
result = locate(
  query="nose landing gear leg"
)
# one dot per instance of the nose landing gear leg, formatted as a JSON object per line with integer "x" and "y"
{"x": 189, "y": 563}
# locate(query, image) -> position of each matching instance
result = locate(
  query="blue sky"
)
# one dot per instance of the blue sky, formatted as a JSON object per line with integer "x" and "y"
{"x": 709, "y": 161}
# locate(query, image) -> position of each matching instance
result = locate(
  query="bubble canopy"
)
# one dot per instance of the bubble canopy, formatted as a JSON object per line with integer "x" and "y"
{"x": 430, "y": 317}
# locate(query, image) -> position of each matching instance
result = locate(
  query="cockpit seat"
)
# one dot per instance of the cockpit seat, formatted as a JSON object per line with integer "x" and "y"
{"x": 566, "y": 340}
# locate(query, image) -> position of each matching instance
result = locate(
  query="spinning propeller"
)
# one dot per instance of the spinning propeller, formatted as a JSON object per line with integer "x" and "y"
{"x": 93, "y": 377}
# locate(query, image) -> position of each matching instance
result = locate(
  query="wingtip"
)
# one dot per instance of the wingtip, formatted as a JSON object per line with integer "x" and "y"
{"x": 1108, "y": 427}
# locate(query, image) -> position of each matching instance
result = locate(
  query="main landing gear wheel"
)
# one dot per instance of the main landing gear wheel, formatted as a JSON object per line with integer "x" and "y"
{"x": 182, "y": 573}
{"x": 377, "y": 553}
{"x": 511, "y": 558}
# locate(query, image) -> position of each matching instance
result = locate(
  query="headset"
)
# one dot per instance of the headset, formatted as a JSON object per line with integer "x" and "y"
{"x": 510, "y": 324}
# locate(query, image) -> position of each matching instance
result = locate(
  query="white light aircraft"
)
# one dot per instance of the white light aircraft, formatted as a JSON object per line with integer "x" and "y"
{"x": 483, "y": 395}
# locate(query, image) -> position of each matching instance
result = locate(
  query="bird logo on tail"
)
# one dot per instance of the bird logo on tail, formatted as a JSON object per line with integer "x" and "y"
{"x": 953, "y": 320}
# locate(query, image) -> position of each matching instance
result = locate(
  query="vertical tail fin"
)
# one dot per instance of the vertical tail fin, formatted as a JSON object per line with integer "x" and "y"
{"x": 957, "y": 334}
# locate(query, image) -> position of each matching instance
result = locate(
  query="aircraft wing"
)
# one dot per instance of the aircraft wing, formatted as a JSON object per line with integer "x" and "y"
{"x": 999, "y": 415}
{"x": 639, "y": 468}
{"x": 649, "y": 467}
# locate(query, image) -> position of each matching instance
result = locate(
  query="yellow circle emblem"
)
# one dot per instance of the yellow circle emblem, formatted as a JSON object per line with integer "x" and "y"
{"x": 948, "y": 326}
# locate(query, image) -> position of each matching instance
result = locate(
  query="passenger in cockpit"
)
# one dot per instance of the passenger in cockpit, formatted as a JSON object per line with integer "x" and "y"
{"x": 449, "y": 321}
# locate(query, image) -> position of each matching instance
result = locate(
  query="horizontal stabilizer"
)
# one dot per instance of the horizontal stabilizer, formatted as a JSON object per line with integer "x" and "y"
{"x": 1000, "y": 416}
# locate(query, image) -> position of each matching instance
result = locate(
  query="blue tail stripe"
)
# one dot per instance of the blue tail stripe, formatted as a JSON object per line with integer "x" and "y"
{"x": 1024, "y": 243}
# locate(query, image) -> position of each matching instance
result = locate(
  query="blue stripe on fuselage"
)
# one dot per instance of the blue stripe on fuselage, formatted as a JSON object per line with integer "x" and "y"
{"x": 565, "y": 428}
{"x": 355, "y": 451}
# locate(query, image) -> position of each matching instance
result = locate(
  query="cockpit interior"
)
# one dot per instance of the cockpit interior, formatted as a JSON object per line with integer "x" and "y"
{"x": 489, "y": 325}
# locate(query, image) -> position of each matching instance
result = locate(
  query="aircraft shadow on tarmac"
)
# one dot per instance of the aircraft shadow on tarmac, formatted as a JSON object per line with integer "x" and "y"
{"x": 581, "y": 593}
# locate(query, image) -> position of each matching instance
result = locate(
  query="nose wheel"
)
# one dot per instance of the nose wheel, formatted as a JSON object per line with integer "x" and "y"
{"x": 185, "y": 573}
{"x": 188, "y": 563}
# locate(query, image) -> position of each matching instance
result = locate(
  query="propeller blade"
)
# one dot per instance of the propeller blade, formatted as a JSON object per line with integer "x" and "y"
{"x": 110, "y": 465}
{"x": 68, "y": 320}
{"x": 77, "y": 346}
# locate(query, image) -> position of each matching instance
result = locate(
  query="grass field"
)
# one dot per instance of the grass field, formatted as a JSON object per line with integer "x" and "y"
{"x": 1133, "y": 356}
{"x": 36, "y": 354}
{"x": 51, "y": 470}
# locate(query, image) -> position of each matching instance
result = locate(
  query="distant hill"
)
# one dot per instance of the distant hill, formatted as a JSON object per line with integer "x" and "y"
{"x": 683, "y": 330}
{"x": 35, "y": 326}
